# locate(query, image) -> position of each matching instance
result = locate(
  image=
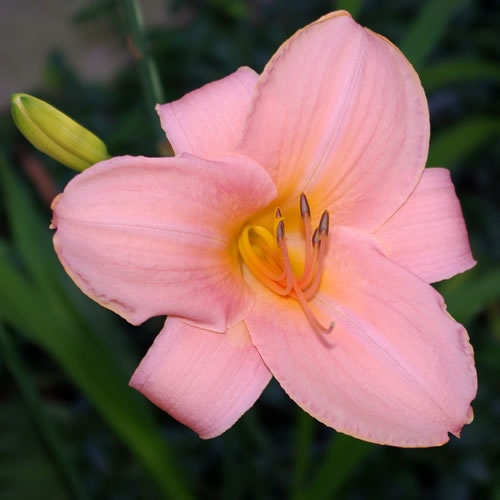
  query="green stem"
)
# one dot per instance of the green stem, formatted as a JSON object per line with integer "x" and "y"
{"x": 46, "y": 431}
{"x": 146, "y": 66}
{"x": 304, "y": 430}
{"x": 343, "y": 455}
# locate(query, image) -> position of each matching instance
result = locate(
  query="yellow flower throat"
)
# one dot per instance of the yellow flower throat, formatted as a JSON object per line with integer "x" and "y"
{"x": 266, "y": 256}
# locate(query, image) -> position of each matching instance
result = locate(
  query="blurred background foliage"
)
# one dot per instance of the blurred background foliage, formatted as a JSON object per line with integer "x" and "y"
{"x": 71, "y": 427}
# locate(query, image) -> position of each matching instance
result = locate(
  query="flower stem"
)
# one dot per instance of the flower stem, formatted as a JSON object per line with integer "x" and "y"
{"x": 146, "y": 66}
{"x": 46, "y": 431}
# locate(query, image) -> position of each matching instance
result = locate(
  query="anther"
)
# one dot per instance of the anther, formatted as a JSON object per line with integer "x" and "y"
{"x": 305, "y": 211}
{"x": 315, "y": 238}
{"x": 280, "y": 232}
{"x": 324, "y": 224}
{"x": 266, "y": 255}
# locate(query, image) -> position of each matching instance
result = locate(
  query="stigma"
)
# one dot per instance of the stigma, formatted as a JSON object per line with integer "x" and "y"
{"x": 266, "y": 255}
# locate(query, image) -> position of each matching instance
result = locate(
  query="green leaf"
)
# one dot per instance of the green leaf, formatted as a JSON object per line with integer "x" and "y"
{"x": 93, "y": 369}
{"x": 46, "y": 431}
{"x": 468, "y": 294}
{"x": 26, "y": 226}
{"x": 32, "y": 242}
{"x": 352, "y": 6}
{"x": 304, "y": 429}
{"x": 22, "y": 457}
{"x": 15, "y": 294}
{"x": 428, "y": 28}
{"x": 39, "y": 312}
{"x": 459, "y": 71}
{"x": 458, "y": 142}
{"x": 343, "y": 455}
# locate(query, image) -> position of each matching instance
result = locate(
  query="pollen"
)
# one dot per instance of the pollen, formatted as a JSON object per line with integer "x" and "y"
{"x": 266, "y": 255}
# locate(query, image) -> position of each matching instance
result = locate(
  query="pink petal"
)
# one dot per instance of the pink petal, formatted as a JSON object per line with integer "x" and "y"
{"x": 151, "y": 236}
{"x": 205, "y": 380}
{"x": 208, "y": 121}
{"x": 427, "y": 235}
{"x": 399, "y": 370}
{"x": 339, "y": 114}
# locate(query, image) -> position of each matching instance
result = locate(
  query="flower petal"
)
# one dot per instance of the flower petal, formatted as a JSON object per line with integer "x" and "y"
{"x": 151, "y": 236}
{"x": 427, "y": 235}
{"x": 208, "y": 121}
{"x": 205, "y": 380}
{"x": 399, "y": 370}
{"x": 339, "y": 114}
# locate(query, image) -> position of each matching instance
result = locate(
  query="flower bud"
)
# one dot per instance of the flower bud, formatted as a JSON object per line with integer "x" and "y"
{"x": 55, "y": 133}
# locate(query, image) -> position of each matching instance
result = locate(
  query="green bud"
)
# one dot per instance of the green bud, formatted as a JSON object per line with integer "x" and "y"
{"x": 55, "y": 133}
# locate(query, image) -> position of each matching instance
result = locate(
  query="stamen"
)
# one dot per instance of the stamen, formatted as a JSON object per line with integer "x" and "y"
{"x": 310, "y": 267}
{"x": 310, "y": 292}
{"x": 323, "y": 229}
{"x": 280, "y": 238}
{"x": 324, "y": 225}
{"x": 318, "y": 328}
{"x": 266, "y": 256}
{"x": 272, "y": 285}
{"x": 280, "y": 232}
{"x": 270, "y": 258}
{"x": 277, "y": 218}
{"x": 315, "y": 238}
{"x": 251, "y": 258}
{"x": 305, "y": 211}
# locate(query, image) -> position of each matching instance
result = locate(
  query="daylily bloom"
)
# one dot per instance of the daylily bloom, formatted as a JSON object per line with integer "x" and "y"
{"x": 294, "y": 235}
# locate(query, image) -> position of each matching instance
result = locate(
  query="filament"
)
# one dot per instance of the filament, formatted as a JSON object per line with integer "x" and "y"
{"x": 267, "y": 257}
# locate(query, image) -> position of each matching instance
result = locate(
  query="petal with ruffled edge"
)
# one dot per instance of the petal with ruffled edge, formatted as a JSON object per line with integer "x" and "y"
{"x": 399, "y": 369}
{"x": 206, "y": 380}
{"x": 151, "y": 236}
{"x": 339, "y": 114}
{"x": 207, "y": 122}
{"x": 427, "y": 235}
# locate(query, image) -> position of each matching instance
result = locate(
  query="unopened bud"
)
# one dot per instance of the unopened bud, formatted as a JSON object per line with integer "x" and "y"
{"x": 56, "y": 134}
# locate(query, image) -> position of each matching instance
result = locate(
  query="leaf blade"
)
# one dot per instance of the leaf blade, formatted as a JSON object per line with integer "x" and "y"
{"x": 429, "y": 26}
{"x": 343, "y": 455}
{"x": 459, "y": 71}
{"x": 462, "y": 140}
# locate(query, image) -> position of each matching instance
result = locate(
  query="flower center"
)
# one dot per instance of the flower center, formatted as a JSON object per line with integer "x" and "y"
{"x": 266, "y": 255}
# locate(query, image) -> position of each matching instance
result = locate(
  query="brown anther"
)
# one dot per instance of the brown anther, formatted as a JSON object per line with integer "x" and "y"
{"x": 315, "y": 238}
{"x": 280, "y": 231}
{"x": 305, "y": 211}
{"x": 260, "y": 254}
{"x": 324, "y": 224}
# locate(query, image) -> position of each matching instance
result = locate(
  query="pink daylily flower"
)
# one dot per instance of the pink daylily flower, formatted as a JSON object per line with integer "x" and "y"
{"x": 332, "y": 136}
